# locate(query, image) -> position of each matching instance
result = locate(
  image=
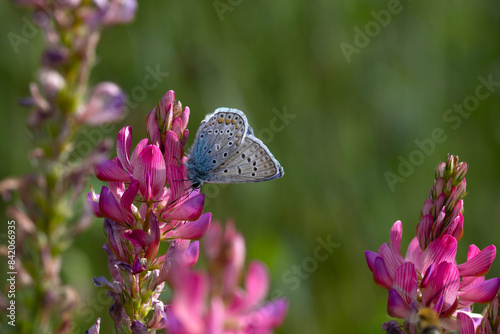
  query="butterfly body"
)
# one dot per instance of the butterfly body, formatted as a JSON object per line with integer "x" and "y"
{"x": 226, "y": 151}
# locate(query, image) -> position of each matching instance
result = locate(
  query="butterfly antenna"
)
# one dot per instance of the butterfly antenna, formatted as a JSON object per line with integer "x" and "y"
{"x": 179, "y": 160}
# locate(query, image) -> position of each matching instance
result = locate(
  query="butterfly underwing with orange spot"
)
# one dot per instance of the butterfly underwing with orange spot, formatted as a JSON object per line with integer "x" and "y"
{"x": 225, "y": 150}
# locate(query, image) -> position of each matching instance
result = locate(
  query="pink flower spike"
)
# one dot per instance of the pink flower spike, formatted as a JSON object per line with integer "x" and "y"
{"x": 190, "y": 209}
{"x": 123, "y": 144}
{"x": 151, "y": 162}
{"x": 480, "y": 264}
{"x": 106, "y": 170}
{"x": 191, "y": 230}
{"x": 256, "y": 283}
{"x": 396, "y": 307}
{"x": 483, "y": 292}
{"x": 370, "y": 259}
{"x": 173, "y": 149}
{"x": 381, "y": 275}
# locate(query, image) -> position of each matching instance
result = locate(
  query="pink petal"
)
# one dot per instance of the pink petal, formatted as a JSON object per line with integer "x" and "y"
{"x": 395, "y": 238}
{"x": 480, "y": 264}
{"x": 481, "y": 293}
{"x": 392, "y": 262}
{"x": 165, "y": 106}
{"x": 216, "y": 317}
{"x": 173, "y": 149}
{"x": 456, "y": 227}
{"x": 95, "y": 327}
{"x": 424, "y": 230}
{"x": 154, "y": 229}
{"x": 128, "y": 196}
{"x": 268, "y": 316}
{"x": 466, "y": 323}
{"x": 406, "y": 282}
{"x": 137, "y": 151}
{"x": 176, "y": 177}
{"x": 106, "y": 170}
{"x": 185, "y": 135}
{"x": 441, "y": 249}
{"x": 109, "y": 207}
{"x": 94, "y": 206}
{"x": 445, "y": 282}
{"x": 177, "y": 127}
{"x": 190, "y": 209}
{"x": 139, "y": 237}
{"x": 396, "y": 306}
{"x": 152, "y": 128}
{"x": 438, "y": 224}
{"x": 426, "y": 208}
{"x": 381, "y": 275}
{"x": 150, "y": 162}
{"x": 438, "y": 204}
{"x": 370, "y": 258}
{"x": 414, "y": 253}
{"x": 185, "y": 118}
{"x": 191, "y": 254}
{"x": 175, "y": 250}
{"x": 123, "y": 143}
{"x": 191, "y": 230}
{"x": 256, "y": 283}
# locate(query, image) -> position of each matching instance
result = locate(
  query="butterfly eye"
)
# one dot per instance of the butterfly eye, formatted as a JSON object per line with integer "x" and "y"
{"x": 196, "y": 185}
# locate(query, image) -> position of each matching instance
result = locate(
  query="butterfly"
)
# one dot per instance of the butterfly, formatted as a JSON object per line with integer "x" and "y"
{"x": 225, "y": 150}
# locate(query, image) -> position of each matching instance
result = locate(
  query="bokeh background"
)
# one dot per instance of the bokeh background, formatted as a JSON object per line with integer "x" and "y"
{"x": 354, "y": 118}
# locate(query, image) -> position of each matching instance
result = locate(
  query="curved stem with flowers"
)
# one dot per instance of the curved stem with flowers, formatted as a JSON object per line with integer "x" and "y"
{"x": 148, "y": 199}
{"x": 429, "y": 276}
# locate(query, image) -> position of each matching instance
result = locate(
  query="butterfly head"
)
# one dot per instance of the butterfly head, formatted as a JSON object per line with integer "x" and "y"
{"x": 196, "y": 184}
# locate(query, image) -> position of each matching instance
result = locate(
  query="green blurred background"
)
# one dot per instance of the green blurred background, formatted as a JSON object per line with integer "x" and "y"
{"x": 353, "y": 120}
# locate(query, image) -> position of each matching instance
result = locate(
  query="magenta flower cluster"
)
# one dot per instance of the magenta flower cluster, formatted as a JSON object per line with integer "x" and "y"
{"x": 428, "y": 276}
{"x": 148, "y": 199}
{"x": 212, "y": 301}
